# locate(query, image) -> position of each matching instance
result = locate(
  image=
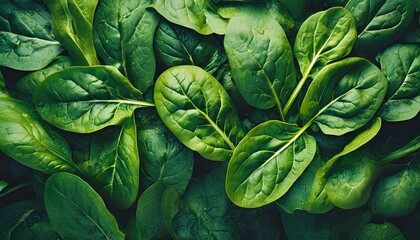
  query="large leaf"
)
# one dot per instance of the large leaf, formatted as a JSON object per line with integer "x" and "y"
{"x": 25, "y": 36}
{"x": 115, "y": 160}
{"x": 196, "y": 108}
{"x": 400, "y": 63}
{"x": 380, "y": 22}
{"x": 267, "y": 162}
{"x": 26, "y": 139}
{"x": 76, "y": 211}
{"x": 397, "y": 194}
{"x": 344, "y": 96}
{"x": 200, "y": 15}
{"x": 86, "y": 99}
{"x": 379, "y": 231}
{"x": 318, "y": 201}
{"x": 164, "y": 158}
{"x": 72, "y": 22}
{"x": 261, "y": 59}
{"x": 176, "y": 45}
{"x": 123, "y": 35}
{"x": 323, "y": 38}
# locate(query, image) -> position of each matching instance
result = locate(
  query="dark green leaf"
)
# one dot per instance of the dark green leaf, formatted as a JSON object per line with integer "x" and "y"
{"x": 379, "y": 231}
{"x": 86, "y": 99}
{"x": 176, "y": 46}
{"x": 114, "y": 163}
{"x": 123, "y": 34}
{"x": 76, "y": 211}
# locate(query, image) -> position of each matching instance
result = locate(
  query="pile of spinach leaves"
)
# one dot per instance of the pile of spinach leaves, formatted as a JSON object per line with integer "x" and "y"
{"x": 217, "y": 119}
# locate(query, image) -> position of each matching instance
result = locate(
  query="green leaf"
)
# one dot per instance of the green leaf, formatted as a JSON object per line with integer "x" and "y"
{"x": 87, "y": 99}
{"x": 3, "y": 184}
{"x": 170, "y": 207}
{"x": 344, "y": 96}
{"x": 175, "y": 45}
{"x": 149, "y": 216}
{"x": 324, "y": 37}
{"x": 379, "y": 231}
{"x": 76, "y": 211}
{"x": 380, "y": 22}
{"x": 72, "y": 22}
{"x": 165, "y": 159}
{"x": 267, "y": 162}
{"x": 198, "y": 111}
{"x": 26, "y": 86}
{"x": 123, "y": 34}
{"x": 318, "y": 200}
{"x": 261, "y": 59}
{"x": 200, "y": 15}
{"x": 13, "y": 215}
{"x": 26, "y": 139}
{"x": 397, "y": 194}
{"x": 114, "y": 159}
{"x": 400, "y": 63}
{"x": 25, "y": 36}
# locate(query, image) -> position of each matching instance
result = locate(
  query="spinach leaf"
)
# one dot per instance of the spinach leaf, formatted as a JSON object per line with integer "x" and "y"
{"x": 397, "y": 194}
{"x": 11, "y": 216}
{"x": 123, "y": 34}
{"x": 76, "y": 211}
{"x": 87, "y": 99}
{"x": 400, "y": 63}
{"x": 198, "y": 111}
{"x": 323, "y": 37}
{"x": 199, "y": 15}
{"x": 175, "y": 45}
{"x": 344, "y": 96}
{"x": 72, "y": 22}
{"x": 164, "y": 159}
{"x": 25, "y": 36}
{"x": 318, "y": 201}
{"x": 380, "y": 22}
{"x": 29, "y": 141}
{"x": 26, "y": 86}
{"x": 3, "y": 90}
{"x": 261, "y": 60}
{"x": 267, "y": 162}
{"x": 114, "y": 163}
{"x": 149, "y": 216}
{"x": 378, "y": 231}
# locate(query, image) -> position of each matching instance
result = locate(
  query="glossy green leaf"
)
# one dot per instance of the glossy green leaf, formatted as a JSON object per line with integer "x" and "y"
{"x": 87, "y": 99}
{"x": 267, "y": 162}
{"x": 164, "y": 159}
{"x": 149, "y": 216}
{"x": 397, "y": 194}
{"x": 72, "y": 22}
{"x": 261, "y": 59}
{"x": 380, "y": 22}
{"x": 114, "y": 159}
{"x": 379, "y": 231}
{"x": 400, "y": 63}
{"x": 198, "y": 111}
{"x": 200, "y": 15}
{"x": 26, "y": 86}
{"x": 25, "y": 36}
{"x": 76, "y": 211}
{"x": 26, "y": 139}
{"x": 350, "y": 182}
{"x": 123, "y": 35}
{"x": 318, "y": 201}
{"x": 324, "y": 37}
{"x": 344, "y": 96}
{"x": 175, "y": 45}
